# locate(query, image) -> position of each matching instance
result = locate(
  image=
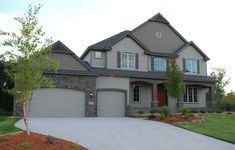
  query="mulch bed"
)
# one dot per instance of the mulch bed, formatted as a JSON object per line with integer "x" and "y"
{"x": 180, "y": 119}
{"x": 36, "y": 142}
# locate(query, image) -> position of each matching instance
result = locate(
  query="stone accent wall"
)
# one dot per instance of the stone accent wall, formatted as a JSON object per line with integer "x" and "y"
{"x": 82, "y": 83}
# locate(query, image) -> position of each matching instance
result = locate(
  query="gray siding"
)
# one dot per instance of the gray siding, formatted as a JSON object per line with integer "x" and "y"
{"x": 98, "y": 62}
{"x": 145, "y": 97}
{"x": 191, "y": 53}
{"x": 67, "y": 61}
{"x": 126, "y": 45}
{"x": 87, "y": 58}
{"x": 169, "y": 42}
{"x": 113, "y": 83}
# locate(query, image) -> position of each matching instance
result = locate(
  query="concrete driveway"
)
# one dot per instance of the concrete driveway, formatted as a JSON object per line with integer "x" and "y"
{"x": 124, "y": 134}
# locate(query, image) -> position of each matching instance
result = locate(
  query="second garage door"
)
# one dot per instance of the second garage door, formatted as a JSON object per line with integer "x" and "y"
{"x": 111, "y": 103}
{"x": 57, "y": 103}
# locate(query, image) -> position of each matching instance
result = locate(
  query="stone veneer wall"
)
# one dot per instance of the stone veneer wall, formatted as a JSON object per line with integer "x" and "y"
{"x": 82, "y": 83}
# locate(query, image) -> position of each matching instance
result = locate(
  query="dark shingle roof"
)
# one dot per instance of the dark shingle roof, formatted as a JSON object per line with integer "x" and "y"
{"x": 105, "y": 44}
{"x": 148, "y": 75}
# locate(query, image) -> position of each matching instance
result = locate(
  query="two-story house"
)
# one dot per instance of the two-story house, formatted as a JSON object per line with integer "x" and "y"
{"x": 125, "y": 73}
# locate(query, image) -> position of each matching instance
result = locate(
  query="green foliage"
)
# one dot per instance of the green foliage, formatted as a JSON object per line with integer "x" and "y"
{"x": 7, "y": 124}
{"x": 218, "y": 110}
{"x": 202, "y": 111}
{"x": 184, "y": 111}
{"x": 151, "y": 116}
{"x": 164, "y": 111}
{"x": 173, "y": 120}
{"x": 26, "y": 144}
{"x": 230, "y": 98}
{"x": 141, "y": 112}
{"x": 28, "y": 58}
{"x": 153, "y": 111}
{"x": 174, "y": 85}
{"x": 220, "y": 126}
{"x": 193, "y": 111}
{"x": 221, "y": 82}
{"x": 162, "y": 117}
{"x": 75, "y": 146}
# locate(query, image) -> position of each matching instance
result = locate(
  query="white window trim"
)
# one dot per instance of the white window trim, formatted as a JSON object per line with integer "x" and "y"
{"x": 128, "y": 66}
{"x": 157, "y": 69}
{"x": 191, "y": 66}
{"x": 193, "y": 101}
{"x": 139, "y": 94}
{"x": 158, "y": 35}
{"x": 96, "y": 56}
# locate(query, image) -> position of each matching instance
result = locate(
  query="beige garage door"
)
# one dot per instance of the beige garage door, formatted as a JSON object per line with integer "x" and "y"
{"x": 57, "y": 103}
{"x": 111, "y": 104}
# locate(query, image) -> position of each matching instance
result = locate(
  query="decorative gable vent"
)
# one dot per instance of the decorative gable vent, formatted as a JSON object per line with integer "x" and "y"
{"x": 158, "y": 35}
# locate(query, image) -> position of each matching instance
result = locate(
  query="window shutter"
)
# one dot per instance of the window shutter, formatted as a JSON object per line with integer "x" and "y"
{"x": 198, "y": 67}
{"x": 184, "y": 65}
{"x": 136, "y": 61}
{"x": 152, "y": 63}
{"x": 118, "y": 59}
{"x": 167, "y": 64}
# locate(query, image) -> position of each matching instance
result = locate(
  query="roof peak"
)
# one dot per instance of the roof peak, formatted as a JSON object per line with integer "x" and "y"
{"x": 159, "y": 18}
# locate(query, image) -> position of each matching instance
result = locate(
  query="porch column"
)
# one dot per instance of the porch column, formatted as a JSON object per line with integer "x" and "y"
{"x": 154, "y": 103}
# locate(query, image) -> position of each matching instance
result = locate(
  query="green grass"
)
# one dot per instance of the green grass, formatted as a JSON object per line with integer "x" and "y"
{"x": 7, "y": 124}
{"x": 220, "y": 126}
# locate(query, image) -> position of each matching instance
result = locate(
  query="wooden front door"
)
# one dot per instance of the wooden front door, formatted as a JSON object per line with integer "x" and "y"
{"x": 160, "y": 95}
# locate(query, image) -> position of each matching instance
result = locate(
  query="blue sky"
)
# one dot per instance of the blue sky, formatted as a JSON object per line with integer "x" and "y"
{"x": 80, "y": 23}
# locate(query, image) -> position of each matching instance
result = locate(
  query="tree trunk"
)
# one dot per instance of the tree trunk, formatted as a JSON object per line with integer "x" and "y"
{"x": 26, "y": 118}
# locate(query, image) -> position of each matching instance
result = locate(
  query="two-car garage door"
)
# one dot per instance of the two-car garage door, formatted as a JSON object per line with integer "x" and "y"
{"x": 71, "y": 103}
{"x": 57, "y": 103}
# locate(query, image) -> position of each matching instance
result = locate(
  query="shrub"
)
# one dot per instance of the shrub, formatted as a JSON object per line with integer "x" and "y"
{"x": 229, "y": 113}
{"x": 184, "y": 111}
{"x": 26, "y": 144}
{"x": 2, "y": 139}
{"x": 75, "y": 146}
{"x": 161, "y": 117}
{"x": 141, "y": 112}
{"x": 151, "y": 116}
{"x": 194, "y": 111}
{"x": 210, "y": 111}
{"x": 173, "y": 120}
{"x": 218, "y": 111}
{"x": 202, "y": 111}
{"x": 153, "y": 111}
{"x": 164, "y": 111}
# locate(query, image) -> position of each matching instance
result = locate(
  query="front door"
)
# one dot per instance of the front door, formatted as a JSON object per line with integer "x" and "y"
{"x": 160, "y": 95}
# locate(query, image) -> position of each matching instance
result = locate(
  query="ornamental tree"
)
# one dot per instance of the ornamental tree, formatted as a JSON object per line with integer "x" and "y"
{"x": 27, "y": 59}
{"x": 174, "y": 84}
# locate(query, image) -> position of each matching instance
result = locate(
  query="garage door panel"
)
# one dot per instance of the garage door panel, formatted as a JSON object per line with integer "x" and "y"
{"x": 111, "y": 103}
{"x": 57, "y": 103}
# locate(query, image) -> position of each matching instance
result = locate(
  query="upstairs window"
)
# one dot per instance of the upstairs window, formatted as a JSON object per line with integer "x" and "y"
{"x": 127, "y": 61}
{"x": 136, "y": 92}
{"x": 159, "y": 64}
{"x": 191, "y": 66}
{"x": 98, "y": 55}
{"x": 190, "y": 95}
{"x": 158, "y": 35}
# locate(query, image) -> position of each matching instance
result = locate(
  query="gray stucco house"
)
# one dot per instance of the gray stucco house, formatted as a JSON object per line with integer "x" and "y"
{"x": 124, "y": 73}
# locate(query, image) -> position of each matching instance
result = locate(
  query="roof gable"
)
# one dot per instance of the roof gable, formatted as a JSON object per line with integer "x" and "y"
{"x": 59, "y": 48}
{"x": 191, "y": 43}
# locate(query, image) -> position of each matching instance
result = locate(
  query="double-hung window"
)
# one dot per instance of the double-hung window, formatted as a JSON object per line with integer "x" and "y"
{"x": 191, "y": 66}
{"x": 136, "y": 92}
{"x": 190, "y": 95}
{"x": 127, "y": 61}
{"x": 160, "y": 64}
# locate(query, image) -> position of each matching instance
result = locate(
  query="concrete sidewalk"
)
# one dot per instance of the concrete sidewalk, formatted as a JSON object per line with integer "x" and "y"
{"x": 124, "y": 134}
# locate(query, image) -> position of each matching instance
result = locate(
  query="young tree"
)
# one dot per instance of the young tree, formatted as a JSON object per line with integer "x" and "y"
{"x": 230, "y": 98}
{"x": 219, "y": 75}
{"x": 174, "y": 85}
{"x": 27, "y": 60}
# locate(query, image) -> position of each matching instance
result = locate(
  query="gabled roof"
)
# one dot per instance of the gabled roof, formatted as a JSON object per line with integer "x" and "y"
{"x": 109, "y": 42}
{"x": 59, "y": 47}
{"x": 159, "y": 18}
{"x": 191, "y": 43}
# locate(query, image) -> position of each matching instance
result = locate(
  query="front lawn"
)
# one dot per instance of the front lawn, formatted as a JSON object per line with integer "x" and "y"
{"x": 220, "y": 126}
{"x": 7, "y": 124}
